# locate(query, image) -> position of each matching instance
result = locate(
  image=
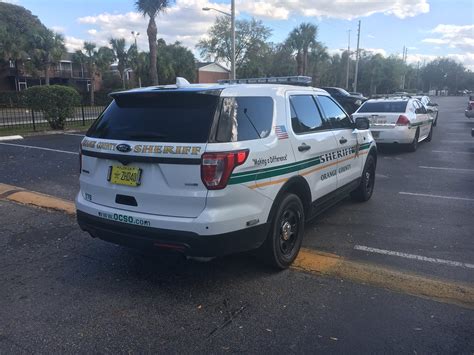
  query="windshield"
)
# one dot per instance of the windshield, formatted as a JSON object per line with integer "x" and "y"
{"x": 384, "y": 106}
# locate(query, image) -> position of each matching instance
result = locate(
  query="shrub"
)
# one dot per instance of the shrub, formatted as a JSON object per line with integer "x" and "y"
{"x": 57, "y": 102}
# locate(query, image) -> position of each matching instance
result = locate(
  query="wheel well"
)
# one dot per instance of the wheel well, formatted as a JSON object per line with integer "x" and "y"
{"x": 296, "y": 185}
{"x": 373, "y": 152}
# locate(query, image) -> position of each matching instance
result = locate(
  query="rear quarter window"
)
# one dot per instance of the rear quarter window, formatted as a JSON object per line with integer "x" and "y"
{"x": 244, "y": 118}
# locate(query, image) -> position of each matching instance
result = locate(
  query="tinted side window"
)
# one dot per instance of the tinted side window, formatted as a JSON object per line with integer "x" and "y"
{"x": 244, "y": 118}
{"x": 305, "y": 115}
{"x": 334, "y": 113}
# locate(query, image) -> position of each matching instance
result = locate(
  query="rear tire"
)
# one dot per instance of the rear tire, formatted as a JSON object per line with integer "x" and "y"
{"x": 436, "y": 119}
{"x": 413, "y": 146}
{"x": 430, "y": 135}
{"x": 286, "y": 233}
{"x": 367, "y": 182}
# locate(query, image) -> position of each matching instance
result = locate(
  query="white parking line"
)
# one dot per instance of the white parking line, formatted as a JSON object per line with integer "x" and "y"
{"x": 437, "y": 196}
{"x": 40, "y": 148}
{"x": 458, "y": 141}
{"x": 443, "y": 168}
{"x": 10, "y": 138}
{"x": 414, "y": 257}
{"x": 451, "y": 152}
{"x": 73, "y": 134}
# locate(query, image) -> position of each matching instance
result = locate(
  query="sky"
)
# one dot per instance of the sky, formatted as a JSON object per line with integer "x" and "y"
{"x": 428, "y": 28}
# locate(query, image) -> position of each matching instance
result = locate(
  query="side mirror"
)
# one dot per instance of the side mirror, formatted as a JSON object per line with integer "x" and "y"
{"x": 362, "y": 123}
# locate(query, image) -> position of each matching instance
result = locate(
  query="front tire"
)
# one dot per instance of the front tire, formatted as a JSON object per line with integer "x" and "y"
{"x": 367, "y": 182}
{"x": 286, "y": 234}
{"x": 436, "y": 119}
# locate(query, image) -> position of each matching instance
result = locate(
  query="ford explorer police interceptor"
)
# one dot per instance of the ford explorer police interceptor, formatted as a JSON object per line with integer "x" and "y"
{"x": 209, "y": 170}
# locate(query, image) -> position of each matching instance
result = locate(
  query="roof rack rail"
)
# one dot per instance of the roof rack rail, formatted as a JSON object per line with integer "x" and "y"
{"x": 287, "y": 80}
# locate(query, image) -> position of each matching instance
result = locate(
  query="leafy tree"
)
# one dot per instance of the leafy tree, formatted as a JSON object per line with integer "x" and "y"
{"x": 152, "y": 8}
{"x": 250, "y": 39}
{"x": 120, "y": 54}
{"x": 139, "y": 63}
{"x": 300, "y": 40}
{"x": 56, "y": 102}
{"x": 49, "y": 50}
{"x": 96, "y": 60}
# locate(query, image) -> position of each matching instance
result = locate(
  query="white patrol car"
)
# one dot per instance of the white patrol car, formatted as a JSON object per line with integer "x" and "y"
{"x": 397, "y": 120}
{"x": 209, "y": 170}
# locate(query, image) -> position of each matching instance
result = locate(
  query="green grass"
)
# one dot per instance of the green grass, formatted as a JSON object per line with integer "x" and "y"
{"x": 43, "y": 127}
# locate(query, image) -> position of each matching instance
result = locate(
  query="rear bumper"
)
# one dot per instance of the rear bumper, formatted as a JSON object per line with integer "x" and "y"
{"x": 397, "y": 134}
{"x": 189, "y": 243}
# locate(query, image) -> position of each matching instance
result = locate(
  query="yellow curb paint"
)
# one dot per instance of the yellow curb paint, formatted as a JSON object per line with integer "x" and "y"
{"x": 370, "y": 274}
{"x": 4, "y": 188}
{"x": 41, "y": 200}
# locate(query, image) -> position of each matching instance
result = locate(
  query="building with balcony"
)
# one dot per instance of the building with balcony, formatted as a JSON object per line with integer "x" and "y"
{"x": 15, "y": 76}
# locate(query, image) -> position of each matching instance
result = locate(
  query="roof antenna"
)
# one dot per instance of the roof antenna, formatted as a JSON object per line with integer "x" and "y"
{"x": 181, "y": 82}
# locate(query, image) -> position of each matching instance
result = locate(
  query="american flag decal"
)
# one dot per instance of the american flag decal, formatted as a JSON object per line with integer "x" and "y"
{"x": 281, "y": 132}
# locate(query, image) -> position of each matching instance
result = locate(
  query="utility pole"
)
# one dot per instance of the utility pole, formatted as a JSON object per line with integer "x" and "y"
{"x": 232, "y": 25}
{"x": 357, "y": 59}
{"x": 135, "y": 35}
{"x": 348, "y": 57}
{"x": 404, "y": 58}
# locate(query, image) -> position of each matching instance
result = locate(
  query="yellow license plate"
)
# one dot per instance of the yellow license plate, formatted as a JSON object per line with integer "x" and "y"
{"x": 125, "y": 175}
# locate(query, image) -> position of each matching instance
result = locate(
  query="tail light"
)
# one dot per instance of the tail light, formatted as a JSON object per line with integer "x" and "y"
{"x": 403, "y": 121}
{"x": 469, "y": 106}
{"x": 80, "y": 160}
{"x": 216, "y": 168}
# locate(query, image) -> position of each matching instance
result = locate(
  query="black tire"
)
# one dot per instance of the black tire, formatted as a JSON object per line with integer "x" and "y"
{"x": 286, "y": 233}
{"x": 430, "y": 135}
{"x": 367, "y": 182}
{"x": 413, "y": 146}
{"x": 435, "y": 122}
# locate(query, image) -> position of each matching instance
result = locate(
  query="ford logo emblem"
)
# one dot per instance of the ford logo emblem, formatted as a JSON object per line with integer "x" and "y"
{"x": 124, "y": 148}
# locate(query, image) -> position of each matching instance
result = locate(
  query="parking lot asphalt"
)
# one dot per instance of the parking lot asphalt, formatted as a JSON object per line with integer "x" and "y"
{"x": 66, "y": 291}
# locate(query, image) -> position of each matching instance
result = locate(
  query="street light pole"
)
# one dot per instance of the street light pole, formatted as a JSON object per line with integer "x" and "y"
{"x": 348, "y": 57}
{"x": 232, "y": 34}
{"x": 135, "y": 35}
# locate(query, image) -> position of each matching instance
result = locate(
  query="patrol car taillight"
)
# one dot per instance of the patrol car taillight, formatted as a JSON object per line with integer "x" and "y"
{"x": 403, "y": 121}
{"x": 80, "y": 160}
{"x": 216, "y": 168}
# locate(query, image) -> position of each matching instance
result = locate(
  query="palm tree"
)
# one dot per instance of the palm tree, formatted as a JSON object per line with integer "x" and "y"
{"x": 120, "y": 54}
{"x": 301, "y": 39}
{"x": 152, "y": 8}
{"x": 50, "y": 48}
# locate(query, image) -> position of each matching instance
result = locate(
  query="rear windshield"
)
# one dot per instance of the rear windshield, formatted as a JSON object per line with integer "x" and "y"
{"x": 384, "y": 106}
{"x": 158, "y": 117}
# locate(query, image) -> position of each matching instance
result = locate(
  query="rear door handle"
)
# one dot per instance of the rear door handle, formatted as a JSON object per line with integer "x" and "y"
{"x": 304, "y": 147}
{"x": 342, "y": 140}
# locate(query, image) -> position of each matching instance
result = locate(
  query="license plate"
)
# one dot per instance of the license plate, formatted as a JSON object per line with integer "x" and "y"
{"x": 125, "y": 175}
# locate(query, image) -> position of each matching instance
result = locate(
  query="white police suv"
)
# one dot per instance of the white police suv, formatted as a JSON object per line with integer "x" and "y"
{"x": 209, "y": 170}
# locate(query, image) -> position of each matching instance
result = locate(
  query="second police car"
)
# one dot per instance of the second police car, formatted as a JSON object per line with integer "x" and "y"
{"x": 209, "y": 170}
{"x": 397, "y": 120}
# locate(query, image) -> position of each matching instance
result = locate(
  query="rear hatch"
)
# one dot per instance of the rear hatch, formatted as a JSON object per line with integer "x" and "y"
{"x": 382, "y": 114}
{"x": 143, "y": 153}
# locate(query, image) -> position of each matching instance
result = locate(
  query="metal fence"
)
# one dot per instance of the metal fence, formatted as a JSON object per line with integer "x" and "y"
{"x": 24, "y": 118}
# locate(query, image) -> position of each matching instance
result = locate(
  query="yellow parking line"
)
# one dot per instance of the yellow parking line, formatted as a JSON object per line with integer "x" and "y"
{"x": 370, "y": 274}
{"x": 42, "y": 200}
{"x": 5, "y": 189}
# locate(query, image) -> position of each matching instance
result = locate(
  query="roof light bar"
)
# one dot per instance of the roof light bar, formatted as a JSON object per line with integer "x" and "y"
{"x": 288, "y": 80}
